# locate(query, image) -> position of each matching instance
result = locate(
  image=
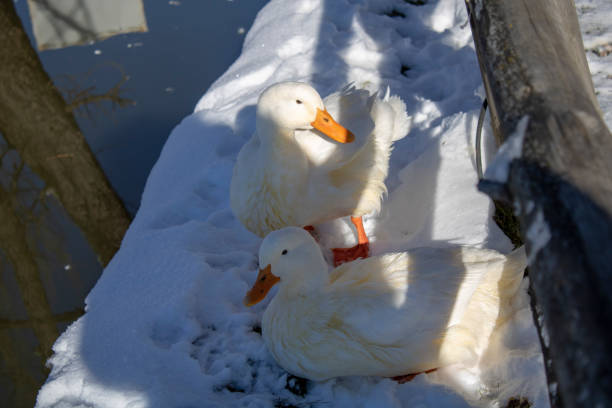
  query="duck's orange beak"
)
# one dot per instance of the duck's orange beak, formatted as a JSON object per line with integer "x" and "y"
{"x": 265, "y": 280}
{"x": 325, "y": 124}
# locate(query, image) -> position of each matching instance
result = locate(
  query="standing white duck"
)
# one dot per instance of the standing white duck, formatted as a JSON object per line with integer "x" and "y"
{"x": 389, "y": 315}
{"x": 290, "y": 174}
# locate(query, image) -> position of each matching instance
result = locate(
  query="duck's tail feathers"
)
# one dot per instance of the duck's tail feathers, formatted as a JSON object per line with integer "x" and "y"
{"x": 389, "y": 115}
{"x": 348, "y": 88}
{"x": 401, "y": 125}
{"x": 493, "y": 301}
{"x": 511, "y": 277}
{"x": 510, "y": 280}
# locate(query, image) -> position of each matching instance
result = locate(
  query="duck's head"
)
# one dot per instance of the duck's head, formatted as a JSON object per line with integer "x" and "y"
{"x": 289, "y": 256}
{"x": 295, "y": 105}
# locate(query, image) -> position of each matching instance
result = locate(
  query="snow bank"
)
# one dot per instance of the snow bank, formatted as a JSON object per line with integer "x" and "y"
{"x": 595, "y": 17}
{"x": 165, "y": 325}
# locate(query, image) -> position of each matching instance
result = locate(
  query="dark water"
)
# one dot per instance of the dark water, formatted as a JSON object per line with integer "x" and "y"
{"x": 162, "y": 73}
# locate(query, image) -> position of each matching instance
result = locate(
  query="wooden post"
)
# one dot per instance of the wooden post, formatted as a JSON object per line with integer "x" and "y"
{"x": 533, "y": 66}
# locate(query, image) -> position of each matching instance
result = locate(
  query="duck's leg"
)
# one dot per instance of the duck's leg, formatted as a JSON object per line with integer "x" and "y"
{"x": 361, "y": 250}
{"x": 401, "y": 379}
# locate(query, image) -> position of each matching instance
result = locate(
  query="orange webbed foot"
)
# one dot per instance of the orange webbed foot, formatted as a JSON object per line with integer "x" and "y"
{"x": 342, "y": 255}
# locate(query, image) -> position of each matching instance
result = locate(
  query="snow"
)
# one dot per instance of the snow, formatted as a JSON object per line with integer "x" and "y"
{"x": 165, "y": 325}
{"x": 511, "y": 149}
{"x": 595, "y": 17}
{"x": 538, "y": 235}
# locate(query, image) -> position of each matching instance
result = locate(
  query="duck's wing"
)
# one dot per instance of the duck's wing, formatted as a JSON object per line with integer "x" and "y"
{"x": 365, "y": 172}
{"x": 408, "y": 297}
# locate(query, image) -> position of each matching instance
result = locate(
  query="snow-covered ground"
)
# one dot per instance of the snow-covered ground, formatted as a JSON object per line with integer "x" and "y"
{"x": 595, "y": 17}
{"x": 165, "y": 325}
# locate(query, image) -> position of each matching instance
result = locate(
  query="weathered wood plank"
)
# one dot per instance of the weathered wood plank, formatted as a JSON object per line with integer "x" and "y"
{"x": 533, "y": 64}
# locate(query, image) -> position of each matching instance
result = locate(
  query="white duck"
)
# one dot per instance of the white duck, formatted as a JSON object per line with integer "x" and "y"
{"x": 388, "y": 315}
{"x": 290, "y": 174}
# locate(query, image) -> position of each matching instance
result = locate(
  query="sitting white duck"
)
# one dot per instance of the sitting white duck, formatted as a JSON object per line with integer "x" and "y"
{"x": 301, "y": 167}
{"x": 391, "y": 315}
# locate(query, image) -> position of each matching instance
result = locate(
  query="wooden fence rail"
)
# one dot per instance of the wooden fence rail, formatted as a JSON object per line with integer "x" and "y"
{"x": 535, "y": 72}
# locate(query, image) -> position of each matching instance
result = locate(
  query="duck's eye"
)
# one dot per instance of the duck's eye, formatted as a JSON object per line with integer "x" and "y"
{"x": 284, "y": 252}
{"x": 298, "y": 101}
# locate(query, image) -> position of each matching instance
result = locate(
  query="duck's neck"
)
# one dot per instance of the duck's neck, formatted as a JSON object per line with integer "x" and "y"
{"x": 276, "y": 140}
{"x": 307, "y": 279}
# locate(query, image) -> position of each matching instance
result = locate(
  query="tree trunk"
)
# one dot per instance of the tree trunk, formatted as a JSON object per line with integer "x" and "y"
{"x": 14, "y": 243}
{"x": 533, "y": 66}
{"x": 34, "y": 119}
{"x": 23, "y": 393}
